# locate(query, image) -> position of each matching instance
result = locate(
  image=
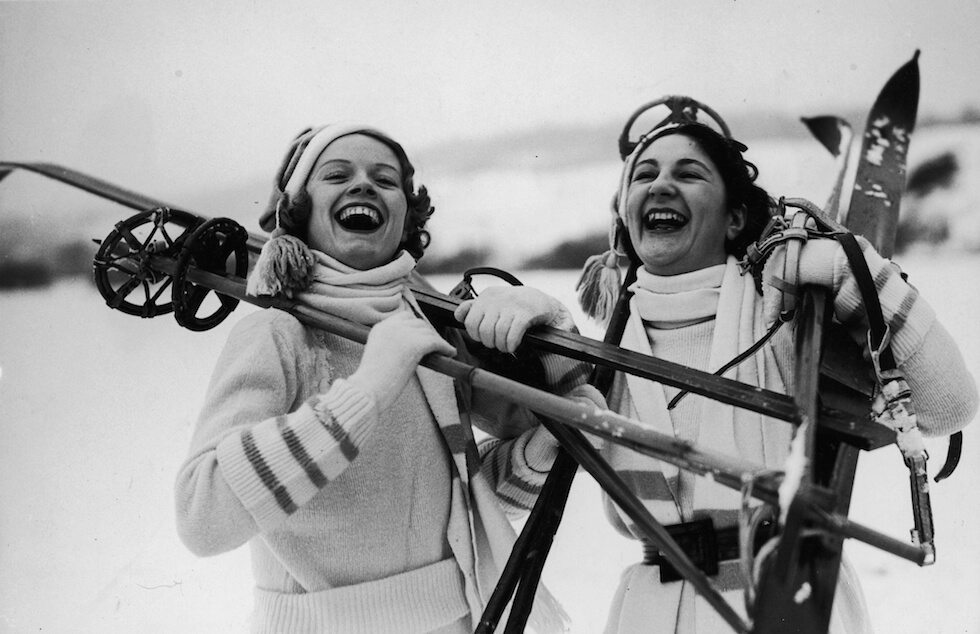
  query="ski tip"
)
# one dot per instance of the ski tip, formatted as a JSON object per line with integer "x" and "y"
{"x": 833, "y": 132}
{"x": 915, "y": 56}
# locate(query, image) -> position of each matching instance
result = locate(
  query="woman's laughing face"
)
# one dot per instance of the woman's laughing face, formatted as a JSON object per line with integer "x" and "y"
{"x": 359, "y": 207}
{"x": 676, "y": 208}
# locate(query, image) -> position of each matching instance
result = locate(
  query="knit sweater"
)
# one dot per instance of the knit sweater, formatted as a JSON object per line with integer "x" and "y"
{"x": 352, "y": 513}
{"x": 944, "y": 394}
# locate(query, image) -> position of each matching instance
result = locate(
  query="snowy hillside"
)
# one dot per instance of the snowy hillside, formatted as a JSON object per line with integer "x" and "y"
{"x": 524, "y": 209}
{"x": 513, "y": 197}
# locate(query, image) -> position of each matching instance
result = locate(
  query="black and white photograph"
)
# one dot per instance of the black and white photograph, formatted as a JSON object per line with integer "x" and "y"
{"x": 455, "y": 317}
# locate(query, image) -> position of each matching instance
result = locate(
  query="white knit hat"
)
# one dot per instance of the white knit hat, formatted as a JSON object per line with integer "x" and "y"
{"x": 297, "y": 164}
{"x": 285, "y": 265}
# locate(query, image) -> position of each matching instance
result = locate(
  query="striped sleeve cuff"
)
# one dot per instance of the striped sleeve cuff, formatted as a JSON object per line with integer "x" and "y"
{"x": 908, "y": 316}
{"x": 278, "y": 465}
{"x": 514, "y": 482}
{"x": 540, "y": 451}
{"x": 562, "y": 375}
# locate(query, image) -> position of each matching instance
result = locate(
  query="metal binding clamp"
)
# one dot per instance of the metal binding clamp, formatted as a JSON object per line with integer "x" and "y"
{"x": 793, "y": 228}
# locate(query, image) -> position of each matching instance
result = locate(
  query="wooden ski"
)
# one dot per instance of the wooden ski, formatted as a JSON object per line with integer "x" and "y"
{"x": 797, "y": 592}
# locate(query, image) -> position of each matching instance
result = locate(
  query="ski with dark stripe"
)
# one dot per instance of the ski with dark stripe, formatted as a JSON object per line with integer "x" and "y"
{"x": 810, "y": 567}
{"x": 880, "y": 179}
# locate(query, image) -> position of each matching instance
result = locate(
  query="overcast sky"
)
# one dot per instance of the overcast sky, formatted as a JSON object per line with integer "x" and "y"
{"x": 171, "y": 96}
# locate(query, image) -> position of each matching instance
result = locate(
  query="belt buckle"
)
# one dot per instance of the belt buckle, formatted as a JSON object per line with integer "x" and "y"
{"x": 698, "y": 540}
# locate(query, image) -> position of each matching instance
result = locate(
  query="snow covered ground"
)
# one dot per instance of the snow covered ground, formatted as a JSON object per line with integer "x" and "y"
{"x": 97, "y": 407}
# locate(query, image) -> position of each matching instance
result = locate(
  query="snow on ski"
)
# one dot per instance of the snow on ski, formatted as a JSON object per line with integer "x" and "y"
{"x": 880, "y": 178}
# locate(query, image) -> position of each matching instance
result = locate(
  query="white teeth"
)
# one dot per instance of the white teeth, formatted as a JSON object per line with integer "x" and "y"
{"x": 361, "y": 211}
{"x": 665, "y": 215}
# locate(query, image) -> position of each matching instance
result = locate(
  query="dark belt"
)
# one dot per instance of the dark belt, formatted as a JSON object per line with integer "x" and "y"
{"x": 704, "y": 545}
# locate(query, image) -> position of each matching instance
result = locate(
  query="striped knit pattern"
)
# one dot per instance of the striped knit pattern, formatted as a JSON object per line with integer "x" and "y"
{"x": 279, "y": 464}
{"x": 514, "y": 483}
{"x": 292, "y": 485}
{"x": 908, "y": 318}
{"x": 944, "y": 394}
{"x": 518, "y": 468}
{"x": 562, "y": 375}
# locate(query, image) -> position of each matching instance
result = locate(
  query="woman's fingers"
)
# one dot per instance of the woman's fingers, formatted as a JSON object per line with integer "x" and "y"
{"x": 501, "y": 315}
{"x": 409, "y": 338}
{"x": 393, "y": 350}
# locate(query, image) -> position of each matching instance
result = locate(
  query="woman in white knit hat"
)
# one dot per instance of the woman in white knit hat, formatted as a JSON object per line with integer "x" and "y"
{"x": 685, "y": 212}
{"x": 350, "y": 472}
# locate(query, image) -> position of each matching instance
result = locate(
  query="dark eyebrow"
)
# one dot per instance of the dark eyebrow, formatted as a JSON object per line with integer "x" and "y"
{"x": 692, "y": 161}
{"x": 333, "y": 161}
{"x": 394, "y": 168}
{"x": 684, "y": 162}
{"x": 346, "y": 162}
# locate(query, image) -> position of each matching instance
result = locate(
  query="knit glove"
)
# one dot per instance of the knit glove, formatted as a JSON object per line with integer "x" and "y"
{"x": 392, "y": 352}
{"x": 824, "y": 263}
{"x": 500, "y": 316}
{"x": 817, "y": 262}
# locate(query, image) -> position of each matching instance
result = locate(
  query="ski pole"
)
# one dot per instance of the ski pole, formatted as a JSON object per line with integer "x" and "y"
{"x": 537, "y": 536}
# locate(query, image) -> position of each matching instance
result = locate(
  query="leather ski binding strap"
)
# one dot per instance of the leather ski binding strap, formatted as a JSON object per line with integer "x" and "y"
{"x": 795, "y": 233}
{"x": 792, "y": 229}
{"x": 893, "y": 406}
{"x": 464, "y": 290}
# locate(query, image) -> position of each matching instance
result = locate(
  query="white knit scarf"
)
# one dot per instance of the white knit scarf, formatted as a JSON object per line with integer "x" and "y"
{"x": 365, "y": 297}
{"x": 675, "y": 301}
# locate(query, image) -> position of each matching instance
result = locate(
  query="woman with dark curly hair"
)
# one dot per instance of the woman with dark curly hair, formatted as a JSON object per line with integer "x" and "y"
{"x": 351, "y": 472}
{"x": 685, "y": 212}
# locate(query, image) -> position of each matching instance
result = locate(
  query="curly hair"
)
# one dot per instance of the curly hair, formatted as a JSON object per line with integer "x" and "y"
{"x": 296, "y": 214}
{"x": 739, "y": 176}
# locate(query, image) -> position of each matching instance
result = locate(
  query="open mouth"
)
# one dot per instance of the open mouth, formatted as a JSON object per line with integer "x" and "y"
{"x": 359, "y": 218}
{"x": 663, "y": 220}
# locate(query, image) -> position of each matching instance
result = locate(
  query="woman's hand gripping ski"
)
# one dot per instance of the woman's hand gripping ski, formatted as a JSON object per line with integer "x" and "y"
{"x": 820, "y": 262}
{"x": 501, "y": 315}
{"x": 393, "y": 350}
{"x": 499, "y": 318}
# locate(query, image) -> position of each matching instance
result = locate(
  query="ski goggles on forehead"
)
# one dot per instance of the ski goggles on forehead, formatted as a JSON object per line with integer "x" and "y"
{"x": 671, "y": 110}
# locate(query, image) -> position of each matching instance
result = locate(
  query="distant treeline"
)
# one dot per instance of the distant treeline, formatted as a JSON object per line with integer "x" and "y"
{"x": 75, "y": 259}
{"x": 72, "y": 259}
